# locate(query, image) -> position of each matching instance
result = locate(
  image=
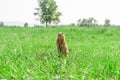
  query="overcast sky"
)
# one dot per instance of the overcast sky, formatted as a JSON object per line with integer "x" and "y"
{"x": 72, "y": 10}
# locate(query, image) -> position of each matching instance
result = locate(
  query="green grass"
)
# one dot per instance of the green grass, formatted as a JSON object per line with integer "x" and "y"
{"x": 29, "y": 54}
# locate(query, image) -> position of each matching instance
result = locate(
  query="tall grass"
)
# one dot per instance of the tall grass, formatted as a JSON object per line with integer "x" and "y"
{"x": 29, "y": 54}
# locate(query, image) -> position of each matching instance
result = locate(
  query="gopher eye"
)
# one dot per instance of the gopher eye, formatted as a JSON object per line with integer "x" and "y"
{"x": 59, "y": 34}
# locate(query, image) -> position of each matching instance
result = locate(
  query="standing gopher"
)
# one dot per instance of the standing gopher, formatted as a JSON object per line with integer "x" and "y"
{"x": 62, "y": 47}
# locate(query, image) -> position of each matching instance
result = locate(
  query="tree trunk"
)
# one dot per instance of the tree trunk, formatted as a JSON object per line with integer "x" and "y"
{"x": 46, "y": 24}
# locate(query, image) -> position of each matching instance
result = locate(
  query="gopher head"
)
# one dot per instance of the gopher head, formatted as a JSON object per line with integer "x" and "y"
{"x": 61, "y": 35}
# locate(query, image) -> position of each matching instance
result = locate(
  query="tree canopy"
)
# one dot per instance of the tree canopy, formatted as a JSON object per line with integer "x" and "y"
{"x": 107, "y": 22}
{"x": 47, "y": 12}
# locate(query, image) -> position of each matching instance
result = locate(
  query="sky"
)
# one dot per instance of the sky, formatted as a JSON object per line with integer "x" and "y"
{"x": 22, "y": 10}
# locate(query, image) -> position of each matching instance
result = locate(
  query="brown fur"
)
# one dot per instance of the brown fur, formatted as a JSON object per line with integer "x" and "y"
{"x": 61, "y": 44}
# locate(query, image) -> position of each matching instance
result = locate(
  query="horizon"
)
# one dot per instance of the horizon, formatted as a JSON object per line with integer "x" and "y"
{"x": 100, "y": 10}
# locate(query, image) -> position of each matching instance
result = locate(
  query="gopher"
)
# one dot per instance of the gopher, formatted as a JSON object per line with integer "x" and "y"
{"x": 61, "y": 44}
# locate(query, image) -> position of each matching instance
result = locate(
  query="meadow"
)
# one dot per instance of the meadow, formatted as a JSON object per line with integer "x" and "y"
{"x": 30, "y": 54}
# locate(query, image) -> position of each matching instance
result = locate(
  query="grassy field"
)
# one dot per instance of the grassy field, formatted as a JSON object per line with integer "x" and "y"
{"x": 29, "y": 54}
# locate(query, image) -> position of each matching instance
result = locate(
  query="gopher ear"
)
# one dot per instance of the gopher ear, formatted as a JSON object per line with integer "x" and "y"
{"x": 59, "y": 33}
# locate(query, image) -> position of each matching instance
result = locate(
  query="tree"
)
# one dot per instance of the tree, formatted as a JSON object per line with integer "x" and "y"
{"x": 90, "y": 22}
{"x": 26, "y": 25}
{"x": 47, "y": 12}
{"x": 72, "y": 24}
{"x": 84, "y": 22}
{"x": 95, "y": 22}
{"x": 107, "y": 22}
{"x": 79, "y": 22}
{"x": 87, "y": 22}
{"x": 1, "y": 24}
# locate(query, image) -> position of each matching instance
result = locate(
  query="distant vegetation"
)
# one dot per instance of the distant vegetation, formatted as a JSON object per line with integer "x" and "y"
{"x": 87, "y": 22}
{"x": 26, "y": 24}
{"x": 90, "y": 22}
{"x": 107, "y": 22}
{"x": 1, "y": 24}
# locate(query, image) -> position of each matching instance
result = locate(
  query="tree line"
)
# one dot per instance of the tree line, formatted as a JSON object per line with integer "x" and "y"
{"x": 91, "y": 22}
{"x": 47, "y": 13}
{"x": 2, "y": 24}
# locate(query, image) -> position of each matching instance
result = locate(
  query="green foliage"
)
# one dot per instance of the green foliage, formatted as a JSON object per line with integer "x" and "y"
{"x": 87, "y": 22}
{"x": 26, "y": 25}
{"x": 29, "y": 54}
{"x": 107, "y": 22}
{"x": 1, "y": 24}
{"x": 47, "y": 12}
